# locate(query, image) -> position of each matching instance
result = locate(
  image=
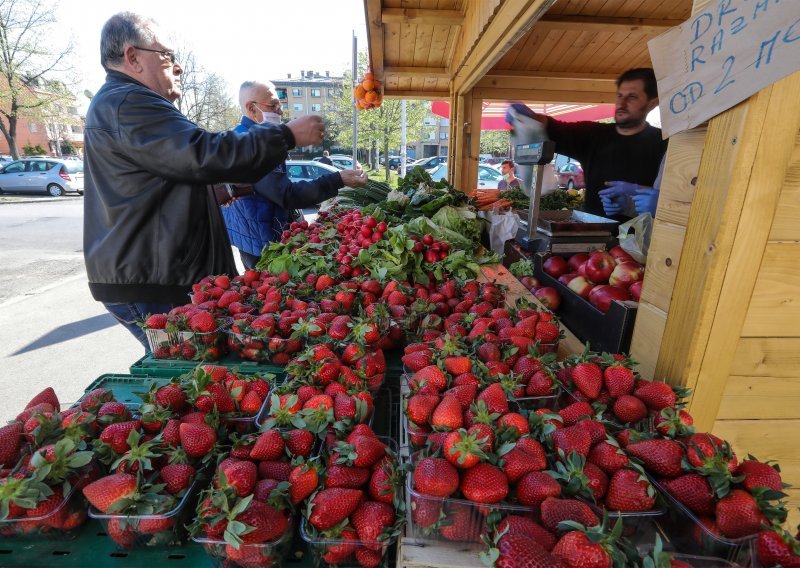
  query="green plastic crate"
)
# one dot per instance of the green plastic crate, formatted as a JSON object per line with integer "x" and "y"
{"x": 150, "y": 366}
{"x": 124, "y": 387}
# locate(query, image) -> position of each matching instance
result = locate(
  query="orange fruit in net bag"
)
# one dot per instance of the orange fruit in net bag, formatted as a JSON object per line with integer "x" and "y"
{"x": 367, "y": 84}
{"x": 370, "y": 96}
{"x": 359, "y": 92}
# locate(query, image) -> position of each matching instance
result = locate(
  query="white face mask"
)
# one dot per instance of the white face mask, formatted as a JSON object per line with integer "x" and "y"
{"x": 270, "y": 118}
{"x": 506, "y": 177}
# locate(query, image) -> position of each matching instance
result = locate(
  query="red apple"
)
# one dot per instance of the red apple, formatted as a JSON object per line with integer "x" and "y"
{"x": 626, "y": 273}
{"x": 549, "y": 297}
{"x": 577, "y": 259}
{"x": 636, "y": 290}
{"x": 530, "y": 282}
{"x": 567, "y": 278}
{"x": 580, "y": 286}
{"x": 620, "y": 254}
{"x": 602, "y": 296}
{"x": 600, "y": 266}
{"x": 555, "y": 266}
{"x": 582, "y": 270}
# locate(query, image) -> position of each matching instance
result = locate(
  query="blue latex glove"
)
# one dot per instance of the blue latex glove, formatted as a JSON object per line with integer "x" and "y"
{"x": 646, "y": 201}
{"x": 612, "y": 206}
{"x": 619, "y": 188}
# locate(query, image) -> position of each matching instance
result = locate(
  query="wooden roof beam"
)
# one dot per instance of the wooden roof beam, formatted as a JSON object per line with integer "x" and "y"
{"x": 420, "y": 72}
{"x": 372, "y": 9}
{"x": 422, "y": 16}
{"x": 597, "y": 24}
{"x": 416, "y": 95}
{"x": 605, "y": 84}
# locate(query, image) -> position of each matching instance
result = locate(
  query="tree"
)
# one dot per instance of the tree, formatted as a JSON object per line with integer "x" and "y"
{"x": 495, "y": 141}
{"x": 204, "y": 99}
{"x": 28, "y": 60}
{"x": 377, "y": 128}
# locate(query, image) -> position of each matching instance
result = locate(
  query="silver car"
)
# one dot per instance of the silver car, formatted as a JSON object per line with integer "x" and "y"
{"x": 56, "y": 177}
{"x": 307, "y": 170}
{"x": 488, "y": 177}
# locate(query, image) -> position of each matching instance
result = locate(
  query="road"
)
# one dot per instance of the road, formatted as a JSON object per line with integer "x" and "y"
{"x": 52, "y": 332}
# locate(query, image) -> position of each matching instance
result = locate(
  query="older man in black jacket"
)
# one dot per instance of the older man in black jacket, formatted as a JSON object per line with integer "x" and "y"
{"x": 152, "y": 226}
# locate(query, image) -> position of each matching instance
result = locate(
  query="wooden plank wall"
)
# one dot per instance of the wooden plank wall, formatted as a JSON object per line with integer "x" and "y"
{"x": 669, "y": 230}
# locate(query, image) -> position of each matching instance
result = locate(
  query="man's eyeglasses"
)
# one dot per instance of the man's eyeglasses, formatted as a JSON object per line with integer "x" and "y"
{"x": 162, "y": 52}
{"x": 274, "y": 107}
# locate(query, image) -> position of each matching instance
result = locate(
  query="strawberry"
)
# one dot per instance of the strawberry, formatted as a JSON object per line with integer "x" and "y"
{"x": 92, "y": 400}
{"x": 519, "y": 525}
{"x": 462, "y": 449}
{"x": 435, "y": 477}
{"x": 361, "y": 451}
{"x": 629, "y": 491}
{"x": 269, "y": 446}
{"x": 203, "y": 322}
{"x": 279, "y": 470}
{"x": 121, "y": 532}
{"x": 457, "y": 365}
{"x": 534, "y": 487}
{"x": 108, "y": 491}
{"x": 197, "y": 439}
{"x": 629, "y": 409}
{"x": 547, "y": 332}
{"x": 156, "y": 321}
{"x": 574, "y": 412}
{"x": 260, "y": 523}
{"x": 430, "y": 375}
{"x": 171, "y": 396}
{"x": 554, "y": 511}
{"x": 618, "y": 380}
{"x": 572, "y": 439}
{"x": 371, "y": 518}
{"x": 662, "y": 457}
{"x": 484, "y": 483}
{"x": 461, "y": 524}
{"x": 495, "y": 399}
{"x": 656, "y": 395}
{"x": 576, "y": 549}
{"x": 331, "y": 506}
{"x": 674, "y": 424}
{"x": 608, "y": 456}
{"x": 299, "y": 442}
{"x": 417, "y": 360}
{"x": 346, "y": 476}
{"x": 778, "y": 548}
{"x": 588, "y": 378}
{"x": 738, "y": 515}
{"x": 177, "y": 476}
{"x": 447, "y": 415}
{"x": 759, "y": 474}
{"x": 113, "y": 412}
{"x": 420, "y": 407}
{"x": 489, "y": 352}
{"x": 171, "y": 433}
{"x": 116, "y": 435}
{"x": 10, "y": 442}
{"x": 240, "y": 475}
{"x": 465, "y": 393}
{"x": 251, "y": 403}
{"x": 693, "y": 491}
{"x": 516, "y": 463}
{"x": 48, "y": 395}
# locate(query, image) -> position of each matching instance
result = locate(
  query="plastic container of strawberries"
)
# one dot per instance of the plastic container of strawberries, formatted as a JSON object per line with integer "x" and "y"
{"x": 172, "y": 343}
{"x": 347, "y": 551}
{"x": 165, "y": 529}
{"x": 470, "y": 527}
{"x": 62, "y": 523}
{"x": 247, "y": 424}
{"x": 272, "y": 553}
{"x": 262, "y": 349}
{"x": 687, "y": 534}
{"x": 635, "y": 525}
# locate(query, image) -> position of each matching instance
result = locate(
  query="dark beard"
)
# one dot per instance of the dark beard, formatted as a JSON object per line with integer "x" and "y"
{"x": 630, "y": 123}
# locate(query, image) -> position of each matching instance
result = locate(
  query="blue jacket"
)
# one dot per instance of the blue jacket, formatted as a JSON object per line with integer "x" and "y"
{"x": 255, "y": 221}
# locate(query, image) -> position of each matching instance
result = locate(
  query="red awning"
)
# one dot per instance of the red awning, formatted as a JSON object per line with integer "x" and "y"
{"x": 494, "y": 114}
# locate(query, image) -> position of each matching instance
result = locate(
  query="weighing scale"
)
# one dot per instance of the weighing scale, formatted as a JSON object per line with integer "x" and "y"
{"x": 562, "y": 232}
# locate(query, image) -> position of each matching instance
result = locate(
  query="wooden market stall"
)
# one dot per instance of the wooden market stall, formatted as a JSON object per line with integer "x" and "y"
{"x": 721, "y": 299}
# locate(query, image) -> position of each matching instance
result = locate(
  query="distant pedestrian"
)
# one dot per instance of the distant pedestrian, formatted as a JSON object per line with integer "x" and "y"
{"x": 509, "y": 180}
{"x": 325, "y": 159}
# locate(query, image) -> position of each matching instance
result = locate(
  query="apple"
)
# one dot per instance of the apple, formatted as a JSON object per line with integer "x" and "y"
{"x": 600, "y": 266}
{"x": 580, "y": 286}
{"x": 530, "y": 282}
{"x": 626, "y": 273}
{"x": 555, "y": 266}
{"x": 620, "y": 254}
{"x": 567, "y": 278}
{"x": 549, "y": 297}
{"x": 577, "y": 259}
{"x": 582, "y": 270}
{"x": 636, "y": 290}
{"x": 602, "y": 296}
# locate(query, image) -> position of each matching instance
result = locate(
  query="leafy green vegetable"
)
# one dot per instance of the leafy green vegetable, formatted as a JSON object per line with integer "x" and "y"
{"x": 560, "y": 199}
{"x": 521, "y": 268}
{"x": 460, "y": 220}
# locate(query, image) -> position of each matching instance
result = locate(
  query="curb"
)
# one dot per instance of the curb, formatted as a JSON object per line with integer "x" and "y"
{"x": 6, "y": 201}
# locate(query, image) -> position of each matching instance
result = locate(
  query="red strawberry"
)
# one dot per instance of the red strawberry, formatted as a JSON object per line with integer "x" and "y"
{"x": 156, "y": 321}
{"x": 462, "y": 449}
{"x": 460, "y": 524}
{"x": 447, "y": 415}
{"x": 629, "y": 491}
{"x": 575, "y": 549}
{"x": 608, "y": 456}
{"x": 10, "y": 442}
{"x": 177, "y": 476}
{"x": 171, "y": 433}
{"x": 495, "y": 399}
{"x": 197, "y": 439}
{"x": 417, "y": 360}
{"x": 588, "y": 378}
{"x": 738, "y": 515}
{"x": 778, "y": 548}
{"x": 420, "y": 407}
{"x": 279, "y": 470}
{"x": 618, "y": 380}
{"x": 269, "y": 446}
{"x": 662, "y": 457}
{"x": 518, "y": 525}
{"x": 48, "y": 395}
{"x": 266, "y": 522}
{"x": 759, "y": 474}
{"x": 656, "y": 395}
{"x": 432, "y": 376}
{"x": 572, "y": 439}
{"x": 171, "y": 396}
{"x": 107, "y": 491}
{"x": 535, "y": 487}
{"x": 239, "y": 474}
{"x": 331, "y": 506}
{"x": 553, "y": 511}
{"x": 629, "y": 409}
{"x": 116, "y": 435}
{"x": 203, "y": 322}
{"x": 251, "y": 403}
{"x": 693, "y": 491}
{"x": 299, "y": 442}
{"x": 574, "y": 412}
{"x": 457, "y": 365}
{"x": 346, "y": 476}
{"x": 371, "y": 518}
{"x": 484, "y": 483}
{"x": 435, "y": 477}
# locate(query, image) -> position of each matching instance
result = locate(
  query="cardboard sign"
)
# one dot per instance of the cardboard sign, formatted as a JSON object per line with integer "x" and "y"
{"x": 725, "y": 53}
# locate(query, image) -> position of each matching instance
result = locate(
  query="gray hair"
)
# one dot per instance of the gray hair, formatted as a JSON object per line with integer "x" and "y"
{"x": 125, "y": 28}
{"x": 246, "y": 92}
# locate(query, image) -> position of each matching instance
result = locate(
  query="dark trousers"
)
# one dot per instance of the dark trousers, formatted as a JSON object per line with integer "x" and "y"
{"x": 249, "y": 260}
{"x": 129, "y": 315}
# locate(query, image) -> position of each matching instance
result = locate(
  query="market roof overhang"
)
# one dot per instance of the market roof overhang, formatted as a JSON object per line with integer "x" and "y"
{"x": 543, "y": 50}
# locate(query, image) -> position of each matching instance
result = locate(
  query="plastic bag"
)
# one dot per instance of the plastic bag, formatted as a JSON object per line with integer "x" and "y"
{"x": 503, "y": 226}
{"x": 634, "y": 236}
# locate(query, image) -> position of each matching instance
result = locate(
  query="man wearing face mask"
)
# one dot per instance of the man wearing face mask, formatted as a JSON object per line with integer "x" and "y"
{"x": 253, "y": 222}
{"x": 509, "y": 180}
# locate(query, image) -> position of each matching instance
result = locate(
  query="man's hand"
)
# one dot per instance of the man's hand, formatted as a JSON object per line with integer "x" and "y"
{"x": 353, "y": 178}
{"x": 618, "y": 188}
{"x": 646, "y": 201}
{"x": 308, "y": 130}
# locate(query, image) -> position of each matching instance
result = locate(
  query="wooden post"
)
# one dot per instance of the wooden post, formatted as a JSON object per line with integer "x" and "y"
{"x": 741, "y": 174}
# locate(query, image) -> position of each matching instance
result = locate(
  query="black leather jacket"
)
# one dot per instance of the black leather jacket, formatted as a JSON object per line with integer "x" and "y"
{"x": 152, "y": 226}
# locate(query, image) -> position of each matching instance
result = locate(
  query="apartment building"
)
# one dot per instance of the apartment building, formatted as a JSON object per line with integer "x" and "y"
{"x": 307, "y": 93}
{"x": 435, "y": 140}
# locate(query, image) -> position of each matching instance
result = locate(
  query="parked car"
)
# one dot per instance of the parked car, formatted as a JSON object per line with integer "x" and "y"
{"x": 495, "y": 161}
{"x": 488, "y": 177}
{"x": 53, "y": 176}
{"x": 342, "y": 162}
{"x": 429, "y": 163}
{"x": 307, "y": 170}
{"x": 394, "y": 162}
{"x": 570, "y": 176}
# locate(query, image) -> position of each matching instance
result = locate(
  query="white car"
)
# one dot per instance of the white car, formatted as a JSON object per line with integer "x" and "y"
{"x": 307, "y": 170}
{"x": 429, "y": 164}
{"x": 488, "y": 177}
{"x": 342, "y": 162}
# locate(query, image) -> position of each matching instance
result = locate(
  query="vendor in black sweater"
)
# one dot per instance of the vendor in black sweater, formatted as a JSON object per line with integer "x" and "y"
{"x": 621, "y": 160}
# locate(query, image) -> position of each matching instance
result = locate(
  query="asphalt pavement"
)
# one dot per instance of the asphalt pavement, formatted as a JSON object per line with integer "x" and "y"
{"x": 52, "y": 332}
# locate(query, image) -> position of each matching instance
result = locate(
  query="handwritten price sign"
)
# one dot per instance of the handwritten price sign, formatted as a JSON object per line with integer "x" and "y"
{"x": 725, "y": 53}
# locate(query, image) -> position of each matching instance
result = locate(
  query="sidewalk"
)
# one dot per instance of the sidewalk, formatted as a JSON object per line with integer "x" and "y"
{"x": 60, "y": 337}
